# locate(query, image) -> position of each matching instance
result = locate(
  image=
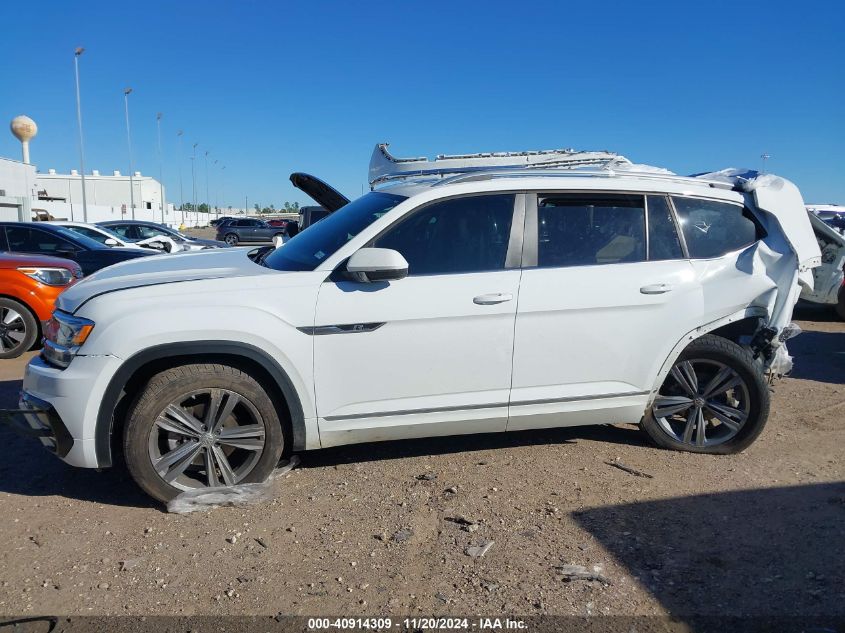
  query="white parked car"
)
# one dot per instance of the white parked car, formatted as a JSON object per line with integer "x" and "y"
{"x": 462, "y": 295}
{"x": 110, "y": 238}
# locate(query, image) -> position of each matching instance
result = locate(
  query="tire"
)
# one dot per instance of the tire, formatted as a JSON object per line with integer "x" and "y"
{"x": 189, "y": 389}
{"x": 740, "y": 412}
{"x": 18, "y": 328}
{"x": 231, "y": 239}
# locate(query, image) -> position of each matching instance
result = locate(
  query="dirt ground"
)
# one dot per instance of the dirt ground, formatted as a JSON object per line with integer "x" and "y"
{"x": 380, "y": 529}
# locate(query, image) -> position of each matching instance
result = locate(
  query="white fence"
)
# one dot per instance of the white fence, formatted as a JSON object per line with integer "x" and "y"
{"x": 101, "y": 213}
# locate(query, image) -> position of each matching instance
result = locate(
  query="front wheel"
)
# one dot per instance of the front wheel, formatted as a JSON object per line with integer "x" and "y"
{"x": 714, "y": 400}
{"x": 201, "y": 426}
{"x": 18, "y": 328}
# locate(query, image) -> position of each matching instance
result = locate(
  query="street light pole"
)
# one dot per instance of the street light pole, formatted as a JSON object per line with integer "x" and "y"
{"x": 194, "y": 178}
{"x": 160, "y": 168}
{"x": 129, "y": 143}
{"x": 765, "y": 157}
{"x": 207, "y": 197}
{"x": 76, "y": 55}
{"x": 181, "y": 191}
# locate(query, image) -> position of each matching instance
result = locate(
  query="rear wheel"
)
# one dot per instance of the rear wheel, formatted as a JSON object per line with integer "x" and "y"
{"x": 201, "y": 426}
{"x": 714, "y": 400}
{"x": 231, "y": 239}
{"x": 18, "y": 328}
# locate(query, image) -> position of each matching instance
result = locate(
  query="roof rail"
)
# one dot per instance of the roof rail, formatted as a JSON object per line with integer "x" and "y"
{"x": 384, "y": 167}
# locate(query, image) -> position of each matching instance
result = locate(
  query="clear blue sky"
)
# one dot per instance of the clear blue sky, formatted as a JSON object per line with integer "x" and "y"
{"x": 274, "y": 87}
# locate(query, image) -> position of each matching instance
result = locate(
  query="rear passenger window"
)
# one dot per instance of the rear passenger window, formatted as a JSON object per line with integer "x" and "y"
{"x": 584, "y": 230}
{"x": 663, "y": 241}
{"x": 713, "y": 228}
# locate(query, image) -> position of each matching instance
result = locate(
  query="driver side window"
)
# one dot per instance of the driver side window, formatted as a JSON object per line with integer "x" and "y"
{"x": 461, "y": 235}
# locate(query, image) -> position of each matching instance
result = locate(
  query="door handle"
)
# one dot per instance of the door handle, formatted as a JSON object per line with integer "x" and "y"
{"x": 656, "y": 289}
{"x": 492, "y": 298}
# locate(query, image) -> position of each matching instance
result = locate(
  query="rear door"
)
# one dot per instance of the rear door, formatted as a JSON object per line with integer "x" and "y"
{"x": 429, "y": 354}
{"x": 606, "y": 293}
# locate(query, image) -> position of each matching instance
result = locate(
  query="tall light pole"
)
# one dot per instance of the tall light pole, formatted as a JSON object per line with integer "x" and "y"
{"x": 194, "y": 178}
{"x": 216, "y": 192}
{"x": 160, "y": 168}
{"x": 207, "y": 197}
{"x": 223, "y": 184}
{"x": 129, "y": 143}
{"x": 765, "y": 157}
{"x": 76, "y": 55}
{"x": 181, "y": 191}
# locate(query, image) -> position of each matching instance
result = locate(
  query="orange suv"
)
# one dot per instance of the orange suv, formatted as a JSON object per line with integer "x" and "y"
{"x": 29, "y": 284}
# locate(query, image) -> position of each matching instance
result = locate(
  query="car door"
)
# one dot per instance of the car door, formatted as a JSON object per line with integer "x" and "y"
{"x": 601, "y": 305}
{"x": 429, "y": 354}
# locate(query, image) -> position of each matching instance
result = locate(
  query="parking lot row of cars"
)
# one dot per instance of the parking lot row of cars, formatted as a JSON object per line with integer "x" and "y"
{"x": 38, "y": 260}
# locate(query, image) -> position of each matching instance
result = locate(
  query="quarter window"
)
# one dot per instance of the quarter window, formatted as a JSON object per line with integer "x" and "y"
{"x": 585, "y": 230}
{"x": 462, "y": 235}
{"x": 712, "y": 228}
{"x": 663, "y": 242}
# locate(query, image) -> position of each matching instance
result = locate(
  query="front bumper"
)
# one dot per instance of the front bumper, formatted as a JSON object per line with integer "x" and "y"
{"x": 74, "y": 394}
{"x": 37, "y": 418}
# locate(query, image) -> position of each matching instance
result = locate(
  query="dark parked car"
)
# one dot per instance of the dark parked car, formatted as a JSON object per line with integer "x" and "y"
{"x": 137, "y": 230}
{"x": 247, "y": 230}
{"x": 58, "y": 241}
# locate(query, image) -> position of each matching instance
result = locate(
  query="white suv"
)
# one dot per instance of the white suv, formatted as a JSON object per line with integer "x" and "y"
{"x": 462, "y": 295}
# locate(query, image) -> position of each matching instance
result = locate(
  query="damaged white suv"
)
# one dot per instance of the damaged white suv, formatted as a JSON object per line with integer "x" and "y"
{"x": 469, "y": 294}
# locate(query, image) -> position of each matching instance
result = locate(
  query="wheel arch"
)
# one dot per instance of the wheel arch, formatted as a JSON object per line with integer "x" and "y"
{"x": 136, "y": 370}
{"x": 731, "y": 327}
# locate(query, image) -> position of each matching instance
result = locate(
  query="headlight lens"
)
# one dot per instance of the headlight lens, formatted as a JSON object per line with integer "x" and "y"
{"x": 49, "y": 276}
{"x": 63, "y": 336}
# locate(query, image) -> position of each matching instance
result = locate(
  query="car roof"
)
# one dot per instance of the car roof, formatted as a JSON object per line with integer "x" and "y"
{"x": 492, "y": 180}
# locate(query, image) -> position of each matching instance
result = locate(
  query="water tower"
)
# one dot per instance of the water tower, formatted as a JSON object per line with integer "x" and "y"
{"x": 24, "y": 129}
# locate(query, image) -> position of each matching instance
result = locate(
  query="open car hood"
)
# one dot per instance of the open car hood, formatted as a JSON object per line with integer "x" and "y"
{"x": 325, "y": 195}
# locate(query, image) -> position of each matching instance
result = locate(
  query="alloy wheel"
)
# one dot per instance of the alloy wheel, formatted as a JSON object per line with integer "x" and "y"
{"x": 206, "y": 439}
{"x": 12, "y": 330}
{"x": 702, "y": 403}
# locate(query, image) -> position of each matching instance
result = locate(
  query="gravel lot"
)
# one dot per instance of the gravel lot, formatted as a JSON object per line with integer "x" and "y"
{"x": 385, "y": 529}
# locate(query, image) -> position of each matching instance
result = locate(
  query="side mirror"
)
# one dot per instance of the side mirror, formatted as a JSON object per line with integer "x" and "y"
{"x": 377, "y": 264}
{"x": 110, "y": 241}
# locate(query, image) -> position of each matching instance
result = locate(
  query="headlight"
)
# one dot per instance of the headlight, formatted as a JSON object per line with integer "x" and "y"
{"x": 63, "y": 337}
{"x": 49, "y": 276}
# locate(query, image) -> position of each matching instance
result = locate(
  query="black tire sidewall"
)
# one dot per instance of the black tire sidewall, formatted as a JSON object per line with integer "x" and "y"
{"x": 167, "y": 387}
{"x": 234, "y": 241}
{"x": 30, "y": 327}
{"x": 741, "y": 361}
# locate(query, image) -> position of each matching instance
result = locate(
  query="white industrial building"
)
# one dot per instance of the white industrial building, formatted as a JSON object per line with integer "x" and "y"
{"x": 17, "y": 190}
{"x": 106, "y": 190}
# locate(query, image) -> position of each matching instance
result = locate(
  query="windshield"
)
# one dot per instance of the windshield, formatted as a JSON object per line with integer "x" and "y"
{"x": 319, "y": 241}
{"x": 84, "y": 240}
{"x": 99, "y": 235}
